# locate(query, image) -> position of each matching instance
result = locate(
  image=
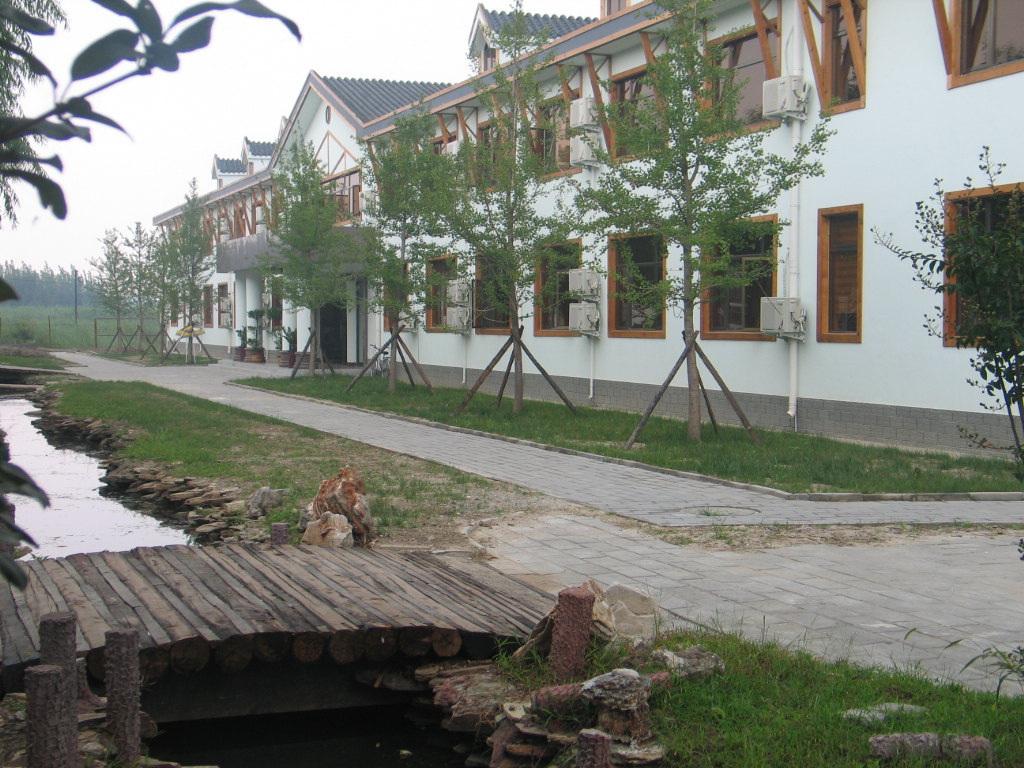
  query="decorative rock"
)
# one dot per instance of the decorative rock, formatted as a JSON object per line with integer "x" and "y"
{"x": 693, "y": 663}
{"x": 881, "y": 712}
{"x": 621, "y": 696}
{"x": 264, "y": 500}
{"x": 329, "y": 530}
{"x": 345, "y": 495}
{"x": 635, "y": 614}
{"x": 570, "y": 636}
{"x": 278, "y": 534}
{"x": 972, "y": 750}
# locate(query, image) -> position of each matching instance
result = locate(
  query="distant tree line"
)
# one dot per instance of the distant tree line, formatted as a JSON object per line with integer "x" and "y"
{"x": 48, "y": 286}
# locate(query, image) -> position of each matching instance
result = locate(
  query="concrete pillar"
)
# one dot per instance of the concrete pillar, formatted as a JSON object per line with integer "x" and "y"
{"x": 570, "y": 637}
{"x": 241, "y": 320}
{"x": 51, "y": 717}
{"x": 122, "y": 668}
{"x": 278, "y": 533}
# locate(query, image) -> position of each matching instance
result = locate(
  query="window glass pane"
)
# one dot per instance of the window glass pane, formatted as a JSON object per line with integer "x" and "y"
{"x": 843, "y": 273}
{"x": 638, "y": 268}
{"x": 553, "y": 302}
{"x": 738, "y": 308}
{"x": 842, "y": 74}
{"x": 439, "y": 272}
{"x": 631, "y": 96}
{"x": 992, "y": 33}
{"x": 745, "y": 59}
{"x": 490, "y": 295}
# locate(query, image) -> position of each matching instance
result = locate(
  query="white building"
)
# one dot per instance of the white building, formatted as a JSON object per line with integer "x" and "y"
{"x": 918, "y": 88}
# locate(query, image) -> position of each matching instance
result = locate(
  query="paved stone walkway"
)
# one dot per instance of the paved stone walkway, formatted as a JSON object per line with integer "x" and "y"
{"x": 899, "y": 604}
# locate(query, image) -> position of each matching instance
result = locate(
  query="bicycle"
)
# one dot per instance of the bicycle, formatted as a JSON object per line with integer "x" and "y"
{"x": 382, "y": 365}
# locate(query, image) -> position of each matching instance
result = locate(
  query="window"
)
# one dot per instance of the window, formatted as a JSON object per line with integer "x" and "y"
{"x": 277, "y": 313}
{"x": 840, "y": 242}
{"x": 744, "y": 57}
{"x": 552, "y": 299}
{"x": 346, "y": 191}
{"x": 551, "y": 136}
{"x": 636, "y": 266}
{"x": 734, "y": 312}
{"x": 488, "y": 58}
{"x": 223, "y": 306}
{"x": 486, "y": 153}
{"x": 439, "y": 272}
{"x": 207, "y": 306}
{"x": 490, "y": 296}
{"x": 632, "y": 95}
{"x": 988, "y": 39}
{"x": 609, "y": 7}
{"x": 843, "y": 54}
{"x": 989, "y": 210}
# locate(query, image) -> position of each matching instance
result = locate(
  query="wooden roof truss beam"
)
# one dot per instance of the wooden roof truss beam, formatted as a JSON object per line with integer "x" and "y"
{"x": 945, "y": 38}
{"x": 764, "y": 26}
{"x": 595, "y": 86}
{"x": 816, "y": 43}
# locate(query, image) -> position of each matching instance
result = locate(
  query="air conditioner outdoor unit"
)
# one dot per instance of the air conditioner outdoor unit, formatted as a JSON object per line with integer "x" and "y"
{"x": 582, "y": 113}
{"x": 459, "y": 292}
{"x": 586, "y": 283}
{"x": 782, "y": 316}
{"x": 581, "y": 153}
{"x": 783, "y": 97}
{"x": 457, "y": 319}
{"x": 585, "y": 318}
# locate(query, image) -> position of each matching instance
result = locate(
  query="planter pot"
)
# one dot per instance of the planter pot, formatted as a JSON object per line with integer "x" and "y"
{"x": 239, "y": 354}
{"x": 287, "y": 359}
{"x": 257, "y": 355}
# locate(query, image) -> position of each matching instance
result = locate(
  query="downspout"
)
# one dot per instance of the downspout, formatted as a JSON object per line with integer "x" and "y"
{"x": 793, "y": 262}
{"x": 593, "y": 364}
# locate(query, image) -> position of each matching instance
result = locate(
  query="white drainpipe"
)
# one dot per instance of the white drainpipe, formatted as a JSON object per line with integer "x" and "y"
{"x": 793, "y": 262}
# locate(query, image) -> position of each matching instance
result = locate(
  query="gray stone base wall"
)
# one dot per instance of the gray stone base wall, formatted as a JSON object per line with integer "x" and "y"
{"x": 928, "y": 428}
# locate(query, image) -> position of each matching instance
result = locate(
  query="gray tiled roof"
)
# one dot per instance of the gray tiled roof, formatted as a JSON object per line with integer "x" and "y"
{"x": 228, "y": 165}
{"x": 260, "y": 148}
{"x": 370, "y": 99}
{"x": 540, "y": 23}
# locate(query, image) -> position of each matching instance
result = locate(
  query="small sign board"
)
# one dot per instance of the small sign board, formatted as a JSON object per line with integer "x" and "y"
{"x": 190, "y": 330}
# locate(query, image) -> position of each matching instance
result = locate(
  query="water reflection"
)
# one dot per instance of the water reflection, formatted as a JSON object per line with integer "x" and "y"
{"x": 79, "y": 519}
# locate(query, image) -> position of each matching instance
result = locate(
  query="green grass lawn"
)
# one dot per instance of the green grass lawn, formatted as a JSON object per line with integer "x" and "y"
{"x": 29, "y": 361}
{"x": 792, "y": 462}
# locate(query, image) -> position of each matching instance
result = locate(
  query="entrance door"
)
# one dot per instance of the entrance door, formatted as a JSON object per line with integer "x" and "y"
{"x": 334, "y": 332}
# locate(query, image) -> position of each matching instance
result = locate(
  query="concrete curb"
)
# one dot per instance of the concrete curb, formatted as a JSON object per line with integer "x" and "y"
{"x": 830, "y": 497}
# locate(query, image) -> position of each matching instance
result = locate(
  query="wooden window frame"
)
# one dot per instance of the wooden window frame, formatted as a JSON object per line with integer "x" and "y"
{"x": 706, "y": 331}
{"x": 222, "y": 294}
{"x": 951, "y": 35}
{"x": 614, "y": 96}
{"x": 828, "y": 57}
{"x": 353, "y": 211}
{"x": 606, "y": 7}
{"x": 760, "y": 32}
{"x": 565, "y": 98}
{"x": 613, "y": 303}
{"x": 208, "y": 306}
{"x": 434, "y": 312}
{"x": 824, "y": 294}
{"x": 538, "y": 318}
{"x": 950, "y": 308}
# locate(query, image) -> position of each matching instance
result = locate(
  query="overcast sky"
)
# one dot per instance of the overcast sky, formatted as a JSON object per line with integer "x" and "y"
{"x": 241, "y": 85}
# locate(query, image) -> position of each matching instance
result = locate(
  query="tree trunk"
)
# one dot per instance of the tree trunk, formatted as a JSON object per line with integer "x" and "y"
{"x": 393, "y": 346}
{"x": 693, "y": 411}
{"x": 314, "y": 346}
{"x": 517, "y": 357}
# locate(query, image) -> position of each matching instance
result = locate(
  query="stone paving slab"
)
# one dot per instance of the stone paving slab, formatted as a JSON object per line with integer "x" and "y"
{"x": 858, "y": 603}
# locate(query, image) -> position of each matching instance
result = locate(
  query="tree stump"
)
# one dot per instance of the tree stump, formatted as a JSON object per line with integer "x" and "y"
{"x": 51, "y": 716}
{"x": 570, "y": 636}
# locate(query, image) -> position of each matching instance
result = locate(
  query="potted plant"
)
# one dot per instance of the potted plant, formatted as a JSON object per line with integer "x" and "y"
{"x": 257, "y": 354}
{"x": 243, "y": 342}
{"x": 291, "y": 338}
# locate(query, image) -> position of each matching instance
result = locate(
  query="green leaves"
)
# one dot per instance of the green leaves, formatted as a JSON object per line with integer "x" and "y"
{"x": 248, "y": 7}
{"x": 194, "y": 37}
{"x": 109, "y": 51}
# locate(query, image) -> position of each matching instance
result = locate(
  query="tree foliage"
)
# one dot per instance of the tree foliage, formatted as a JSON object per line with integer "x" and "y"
{"x": 47, "y": 286}
{"x": 503, "y": 217}
{"x": 685, "y": 169}
{"x": 412, "y": 186}
{"x": 112, "y": 276}
{"x": 189, "y": 254}
{"x": 312, "y": 261}
{"x": 977, "y": 261}
{"x": 144, "y": 45}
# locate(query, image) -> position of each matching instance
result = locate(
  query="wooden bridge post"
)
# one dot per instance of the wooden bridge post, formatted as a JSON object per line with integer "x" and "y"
{"x": 278, "y": 534}
{"x": 52, "y": 720}
{"x": 122, "y": 668}
{"x": 570, "y": 636}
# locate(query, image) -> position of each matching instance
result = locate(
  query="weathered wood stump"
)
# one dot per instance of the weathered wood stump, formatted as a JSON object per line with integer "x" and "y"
{"x": 52, "y": 721}
{"x": 123, "y": 708}
{"x": 570, "y": 636}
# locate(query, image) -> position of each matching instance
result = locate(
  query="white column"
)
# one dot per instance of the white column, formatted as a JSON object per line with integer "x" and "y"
{"x": 239, "y": 307}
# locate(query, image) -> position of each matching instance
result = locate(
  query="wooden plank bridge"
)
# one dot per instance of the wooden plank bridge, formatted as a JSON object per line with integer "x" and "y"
{"x": 226, "y": 606}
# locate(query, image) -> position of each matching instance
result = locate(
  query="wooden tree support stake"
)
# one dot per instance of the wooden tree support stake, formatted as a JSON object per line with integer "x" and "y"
{"x": 369, "y": 363}
{"x": 416, "y": 365}
{"x": 707, "y": 402}
{"x": 546, "y": 375}
{"x": 405, "y": 364}
{"x": 729, "y": 396}
{"x": 302, "y": 356}
{"x": 483, "y": 377}
{"x": 660, "y": 393}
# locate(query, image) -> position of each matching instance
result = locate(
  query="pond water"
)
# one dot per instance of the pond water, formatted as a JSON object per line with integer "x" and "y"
{"x": 78, "y": 519}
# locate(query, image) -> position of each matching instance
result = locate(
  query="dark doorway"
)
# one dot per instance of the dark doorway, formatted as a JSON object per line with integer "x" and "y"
{"x": 334, "y": 332}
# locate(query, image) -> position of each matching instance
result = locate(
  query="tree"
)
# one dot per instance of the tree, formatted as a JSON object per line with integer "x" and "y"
{"x": 683, "y": 168}
{"x": 15, "y": 74}
{"x": 977, "y": 265}
{"x": 112, "y": 279}
{"x": 139, "y": 250}
{"x": 412, "y": 185}
{"x": 496, "y": 216}
{"x": 190, "y": 255}
{"x": 311, "y": 263}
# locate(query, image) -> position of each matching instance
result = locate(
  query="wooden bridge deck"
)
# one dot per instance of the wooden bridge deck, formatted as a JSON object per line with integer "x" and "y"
{"x": 231, "y": 604}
